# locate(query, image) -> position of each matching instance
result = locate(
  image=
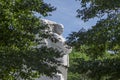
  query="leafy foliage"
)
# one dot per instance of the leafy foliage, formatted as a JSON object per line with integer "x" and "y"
{"x": 98, "y": 8}
{"x": 100, "y": 43}
{"x": 19, "y": 58}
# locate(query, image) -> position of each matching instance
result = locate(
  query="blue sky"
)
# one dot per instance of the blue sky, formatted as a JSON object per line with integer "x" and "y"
{"x": 66, "y": 15}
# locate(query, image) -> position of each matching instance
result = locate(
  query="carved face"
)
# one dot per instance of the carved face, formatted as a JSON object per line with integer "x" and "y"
{"x": 58, "y": 28}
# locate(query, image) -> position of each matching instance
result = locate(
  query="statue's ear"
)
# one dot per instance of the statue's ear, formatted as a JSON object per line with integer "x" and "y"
{"x": 55, "y": 28}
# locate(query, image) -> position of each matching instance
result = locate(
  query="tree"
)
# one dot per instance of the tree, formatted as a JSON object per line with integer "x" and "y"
{"x": 101, "y": 42}
{"x": 19, "y": 58}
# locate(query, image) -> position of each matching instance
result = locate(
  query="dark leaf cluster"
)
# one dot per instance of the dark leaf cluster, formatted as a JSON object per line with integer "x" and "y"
{"x": 19, "y": 56}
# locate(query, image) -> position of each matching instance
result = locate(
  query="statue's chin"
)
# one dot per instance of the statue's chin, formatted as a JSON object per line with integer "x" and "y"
{"x": 59, "y": 33}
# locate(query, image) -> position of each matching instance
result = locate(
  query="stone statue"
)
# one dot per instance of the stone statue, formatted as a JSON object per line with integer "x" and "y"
{"x": 58, "y": 42}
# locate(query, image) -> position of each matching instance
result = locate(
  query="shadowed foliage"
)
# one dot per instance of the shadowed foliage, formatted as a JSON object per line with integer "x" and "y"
{"x": 19, "y": 56}
{"x": 98, "y": 48}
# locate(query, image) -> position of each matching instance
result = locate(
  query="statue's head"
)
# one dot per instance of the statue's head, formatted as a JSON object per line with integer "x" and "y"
{"x": 53, "y": 26}
{"x": 58, "y": 28}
